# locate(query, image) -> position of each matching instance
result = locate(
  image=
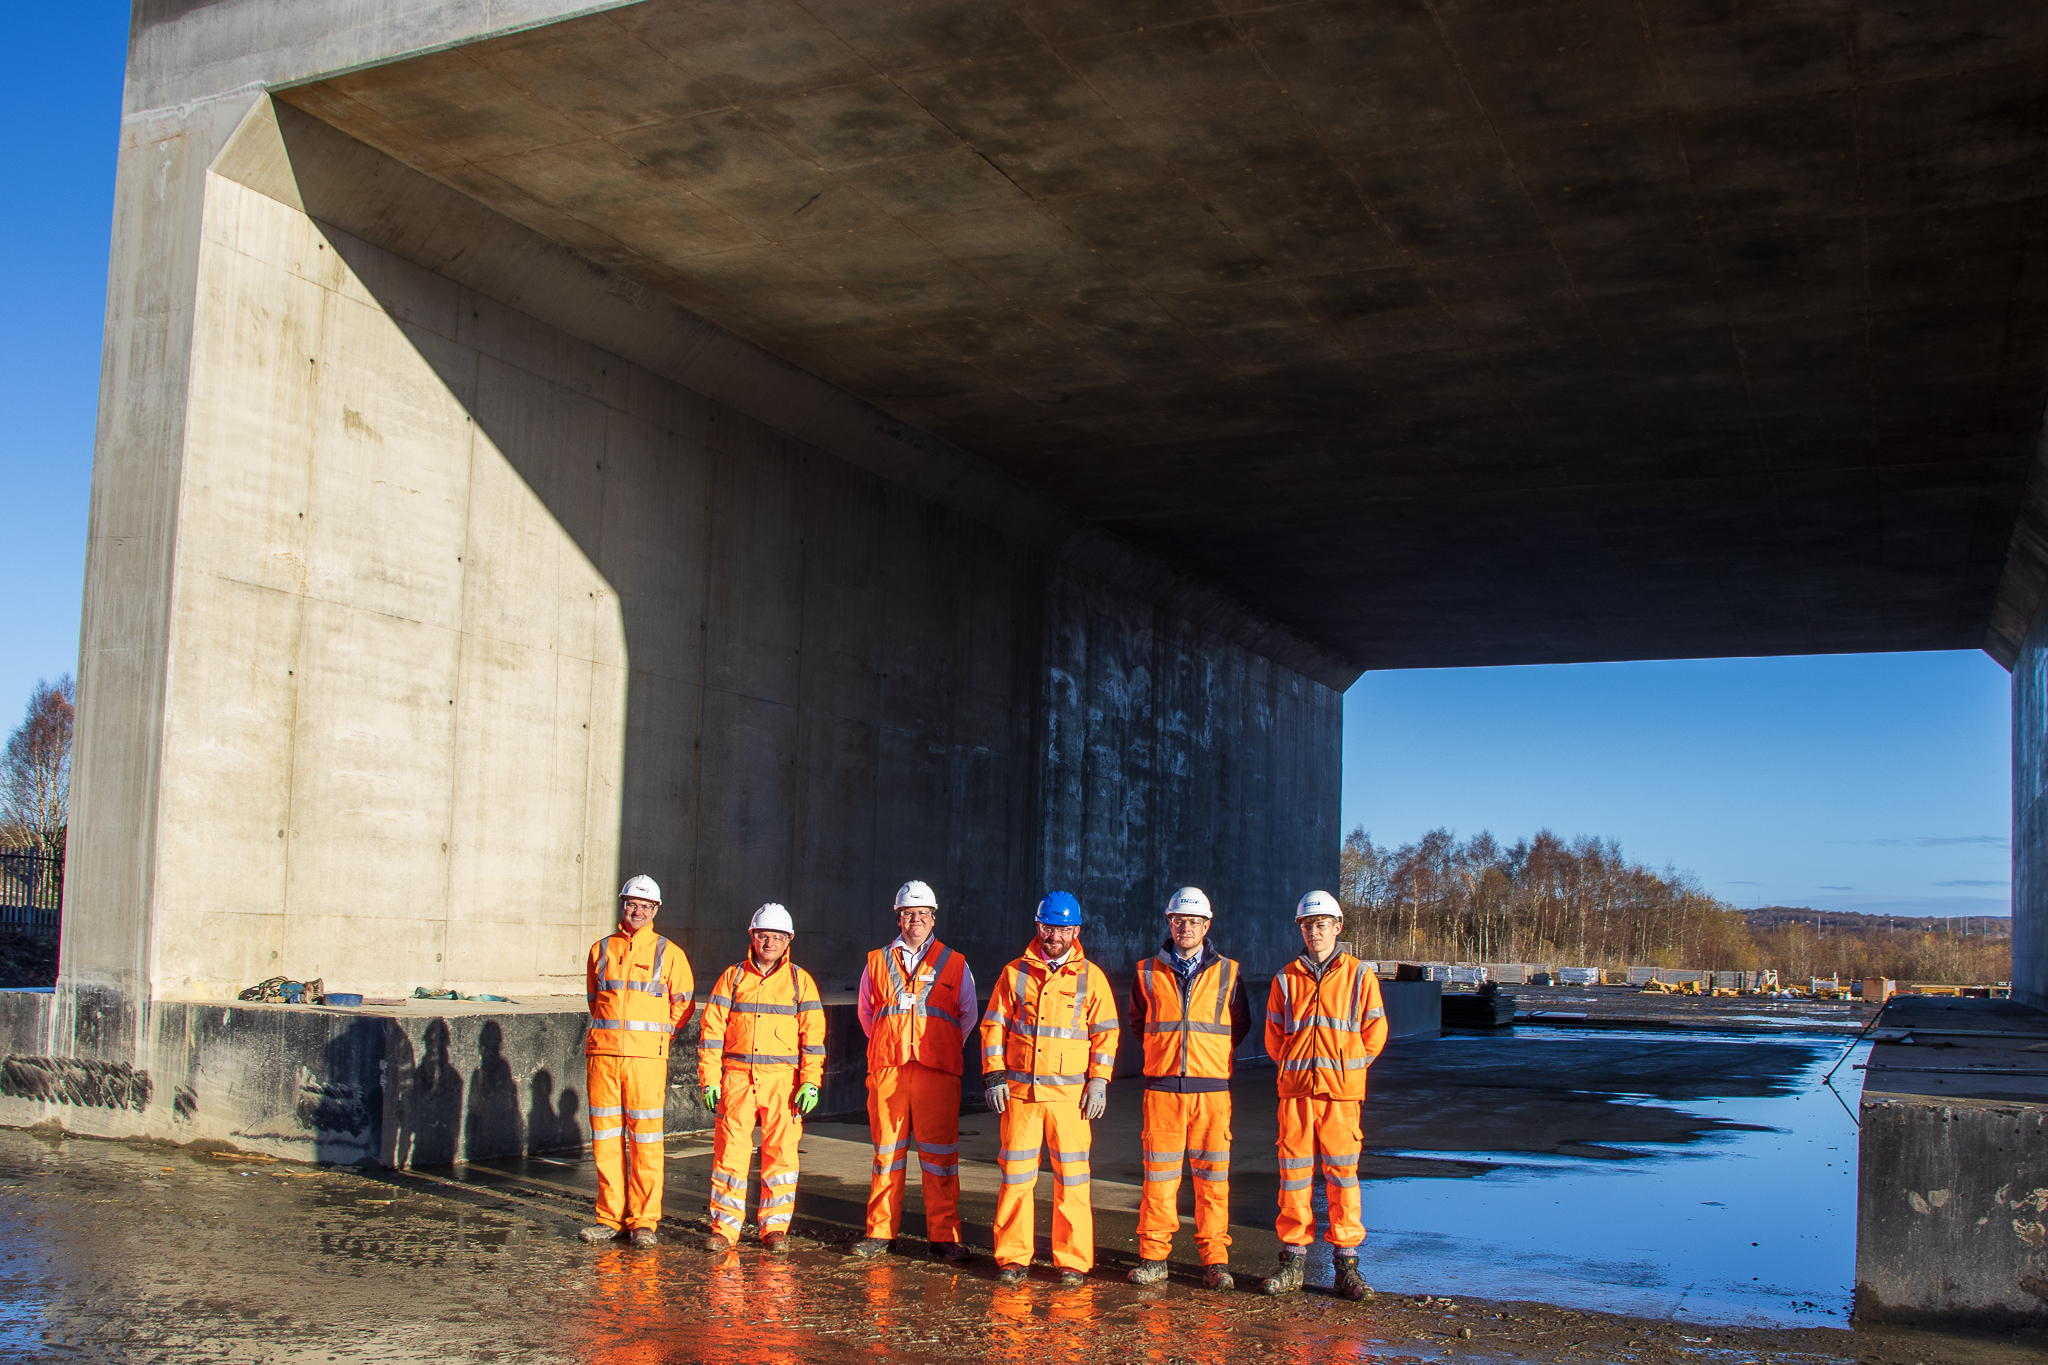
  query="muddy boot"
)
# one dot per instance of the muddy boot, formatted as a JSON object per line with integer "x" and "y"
{"x": 868, "y": 1246}
{"x": 1350, "y": 1283}
{"x": 1010, "y": 1274}
{"x": 716, "y": 1245}
{"x": 1072, "y": 1279}
{"x": 956, "y": 1252}
{"x": 644, "y": 1239}
{"x": 1148, "y": 1272}
{"x": 1217, "y": 1277}
{"x": 775, "y": 1243}
{"x": 599, "y": 1232}
{"x": 1288, "y": 1279}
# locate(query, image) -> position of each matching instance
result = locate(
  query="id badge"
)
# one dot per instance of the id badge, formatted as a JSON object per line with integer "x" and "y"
{"x": 906, "y": 1000}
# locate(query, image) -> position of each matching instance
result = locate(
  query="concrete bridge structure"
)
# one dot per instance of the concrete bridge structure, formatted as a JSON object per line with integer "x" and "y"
{"x": 789, "y": 447}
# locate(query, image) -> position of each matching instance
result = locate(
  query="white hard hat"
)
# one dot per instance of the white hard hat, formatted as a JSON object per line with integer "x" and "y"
{"x": 640, "y": 889}
{"x": 916, "y": 893}
{"x": 1318, "y": 903}
{"x": 772, "y": 916}
{"x": 1189, "y": 900}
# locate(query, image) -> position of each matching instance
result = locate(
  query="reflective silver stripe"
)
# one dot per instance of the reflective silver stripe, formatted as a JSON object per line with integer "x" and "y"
{"x": 721, "y": 1217}
{"x": 1375, "y": 1013}
{"x": 938, "y": 1149}
{"x": 933, "y": 1168}
{"x": 728, "y": 1202}
{"x": 811, "y": 1049}
{"x": 1165, "y": 1156}
{"x": 1109, "y": 1027}
{"x": 1311, "y": 1063}
{"x": 606, "y": 1111}
{"x": 1340, "y": 1158}
{"x": 898, "y": 1164}
{"x": 1155, "y": 1176}
{"x": 1068, "y": 1179}
{"x": 810, "y": 1005}
{"x": 750, "y": 1007}
{"x": 1300, "y": 1184}
{"x": 1209, "y": 1156}
{"x": 591, "y": 996}
{"x": 650, "y": 987}
{"x": 781, "y": 1178}
{"x": 1331, "y": 1021}
{"x": 1296, "y": 1163}
{"x": 761, "y": 1059}
{"x": 1070, "y": 1156}
{"x": 727, "y": 1178}
{"x": 1203, "y": 1173}
{"x": 1225, "y": 981}
{"x": 600, "y": 1134}
{"x": 647, "y": 1137}
{"x": 643, "y": 1113}
{"x": 631, "y": 1025}
{"x": 1019, "y": 1177}
{"x": 1008, "y": 1155}
{"x": 779, "y": 1200}
{"x": 712, "y": 1045}
{"x": 1357, "y": 991}
{"x": 1034, "y": 1079}
{"x": 722, "y": 1001}
{"x": 882, "y": 1149}
{"x": 1347, "y": 1182}
{"x": 1186, "y": 1026}
{"x": 1048, "y": 1031}
{"x": 1103, "y": 1058}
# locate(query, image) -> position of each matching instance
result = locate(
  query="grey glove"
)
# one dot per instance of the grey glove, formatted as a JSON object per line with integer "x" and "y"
{"x": 998, "y": 1096}
{"x": 1095, "y": 1099}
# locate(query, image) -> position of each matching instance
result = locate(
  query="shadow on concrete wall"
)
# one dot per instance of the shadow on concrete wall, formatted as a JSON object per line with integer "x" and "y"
{"x": 430, "y": 1125}
{"x": 493, "y": 1122}
{"x": 551, "y": 1125}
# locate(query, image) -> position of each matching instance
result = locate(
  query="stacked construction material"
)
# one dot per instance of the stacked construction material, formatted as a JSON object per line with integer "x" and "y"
{"x": 1487, "y": 1007}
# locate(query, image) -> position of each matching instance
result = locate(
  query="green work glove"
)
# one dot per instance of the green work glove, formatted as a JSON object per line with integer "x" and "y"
{"x": 806, "y": 1098}
{"x": 711, "y": 1098}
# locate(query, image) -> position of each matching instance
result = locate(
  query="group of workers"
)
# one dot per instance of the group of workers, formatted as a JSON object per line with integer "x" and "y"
{"x": 1048, "y": 1045}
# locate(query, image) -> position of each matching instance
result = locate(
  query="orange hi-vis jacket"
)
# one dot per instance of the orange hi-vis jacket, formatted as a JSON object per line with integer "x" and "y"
{"x": 641, "y": 992}
{"x": 762, "y": 1020}
{"x": 1324, "y": 1025}
{"x": 916, "y": 1018}
{"x": 1189, "y": 1035}
{"x": 1052, "y": 1029}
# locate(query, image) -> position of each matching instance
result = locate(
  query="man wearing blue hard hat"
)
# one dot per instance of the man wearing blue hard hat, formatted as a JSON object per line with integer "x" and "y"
{"x": 1048, "y": 1042}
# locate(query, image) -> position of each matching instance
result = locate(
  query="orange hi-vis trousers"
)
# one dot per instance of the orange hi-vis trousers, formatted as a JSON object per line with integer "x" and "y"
{"x": 749, "y": 1096}
{"x": 626, "y": 1099}
{"x": 1057, "y": 1125}
{"x": 1194, "y": 1128}
{"x": 906, "y": 1104}
{"x": 1327, "y": 1128}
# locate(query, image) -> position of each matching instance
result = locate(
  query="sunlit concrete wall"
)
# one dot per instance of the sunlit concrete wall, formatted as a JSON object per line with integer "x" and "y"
{"x": 2030, "y": 815}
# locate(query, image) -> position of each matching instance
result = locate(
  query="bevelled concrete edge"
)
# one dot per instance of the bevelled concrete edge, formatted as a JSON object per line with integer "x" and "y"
{"x": 287, "y": 154}
{"x": 2025, "y": 579}
{"x": 1952, "y": 1212}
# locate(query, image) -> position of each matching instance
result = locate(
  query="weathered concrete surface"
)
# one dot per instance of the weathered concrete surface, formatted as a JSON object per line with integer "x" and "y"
{"x": 1952, "y": 1207}
{"x": 2030, "y": 816}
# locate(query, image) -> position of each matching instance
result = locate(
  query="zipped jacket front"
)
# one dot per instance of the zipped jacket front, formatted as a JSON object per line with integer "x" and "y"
{"x": 641, "y": 993}
{"x": 759, "y": 1020}
{"x": 1190, "y": 1025}
{"x": 1324, "y": 1025}
{"x": 1049, "y": 1030}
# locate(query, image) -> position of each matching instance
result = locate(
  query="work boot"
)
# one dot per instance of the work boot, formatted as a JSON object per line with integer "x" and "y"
{"x": 1072, "y": 1279}
{"x": 868, "y": 1246}
{"x": 599, "y": 1232}
{"x": 1289, "y": 1277}
{"x": 956, "y": 1252}
{"x": 775, "y": 1243}
{"x": 1350, "y": 1283}
{"x": 1217, "y": 1277}
{"x": 1148, "y": 1272}
{"x": 717, "y": 1245}
{"x": 1010, "y": 1274}
{"x": 644, "y": 1239}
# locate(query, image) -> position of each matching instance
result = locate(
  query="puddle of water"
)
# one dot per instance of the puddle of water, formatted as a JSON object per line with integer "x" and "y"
{"x": 1740, "y": 1227}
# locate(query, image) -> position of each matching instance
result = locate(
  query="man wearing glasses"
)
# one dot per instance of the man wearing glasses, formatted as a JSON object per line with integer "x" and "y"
{"x": 917, "y": 1002}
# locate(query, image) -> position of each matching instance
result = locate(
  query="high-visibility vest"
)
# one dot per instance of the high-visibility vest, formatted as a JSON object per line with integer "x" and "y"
{"x": 640, "y": 992}
{"x": 1049, "y": 1031}
{"x": 762, "y": 1021}
{"x": 1323, "y": 1033}
{"x": 1187, "y": 1032}
{"x": 916, "y": 1017}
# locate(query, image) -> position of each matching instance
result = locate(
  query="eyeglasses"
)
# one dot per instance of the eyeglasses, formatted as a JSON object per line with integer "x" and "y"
{"x": 1184, "y": 921}
{"x": 915, "y": 914}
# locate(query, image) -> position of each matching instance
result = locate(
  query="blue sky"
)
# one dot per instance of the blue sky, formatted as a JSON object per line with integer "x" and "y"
{"x": 1871, "y": 782}
{"x": 1876, "y": 783}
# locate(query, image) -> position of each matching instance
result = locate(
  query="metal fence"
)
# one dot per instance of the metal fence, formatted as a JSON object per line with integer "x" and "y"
{"x": 31, "y": 890}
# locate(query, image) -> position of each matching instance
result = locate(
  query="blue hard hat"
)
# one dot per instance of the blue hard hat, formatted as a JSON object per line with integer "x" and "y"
{"x": 1059, "y": 908}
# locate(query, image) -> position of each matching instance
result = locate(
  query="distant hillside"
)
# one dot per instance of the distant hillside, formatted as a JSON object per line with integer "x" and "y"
{"x": 1776, "y": 916}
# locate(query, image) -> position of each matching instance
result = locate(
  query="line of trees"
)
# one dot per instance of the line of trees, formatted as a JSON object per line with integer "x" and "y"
{"x": 1581, "y": 903}
{"x": 35, "y": 772}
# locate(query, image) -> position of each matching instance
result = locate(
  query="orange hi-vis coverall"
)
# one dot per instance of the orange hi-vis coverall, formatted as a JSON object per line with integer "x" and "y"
{"x": 1324, "y": 1025}
{"x": 641, "y": 993}
{"x": 764, "y": 1039}
{"x": 914, "y": 1006}
{"x": 1049, "y": 1030}
{"x": 1191, "y": 1024}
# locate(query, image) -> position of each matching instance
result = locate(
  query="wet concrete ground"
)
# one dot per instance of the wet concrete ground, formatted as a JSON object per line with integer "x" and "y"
{"x": 125, "y": 1252}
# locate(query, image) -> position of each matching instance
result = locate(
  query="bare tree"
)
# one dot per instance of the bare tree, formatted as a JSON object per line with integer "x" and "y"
{"x": 35, "y": 777}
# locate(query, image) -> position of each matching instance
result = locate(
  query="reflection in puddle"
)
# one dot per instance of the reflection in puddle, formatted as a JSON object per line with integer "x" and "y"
{"x": 1751, "y": 1224}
